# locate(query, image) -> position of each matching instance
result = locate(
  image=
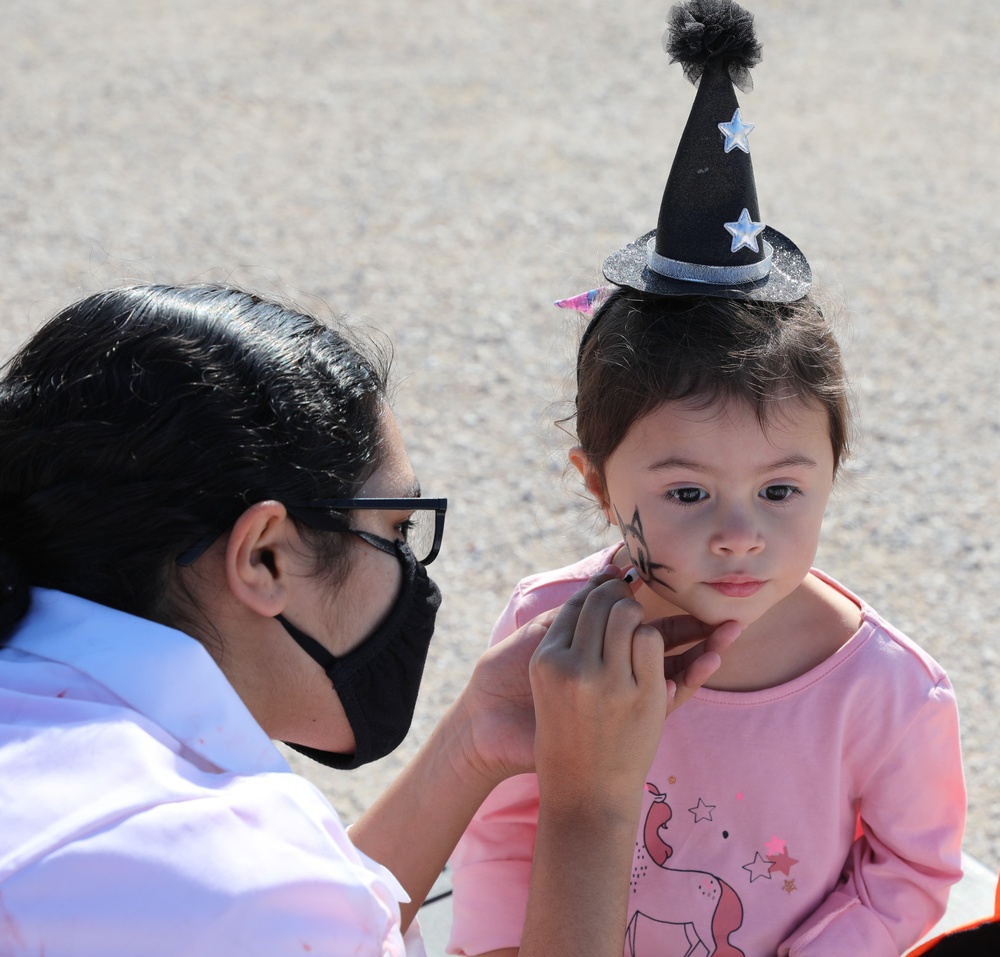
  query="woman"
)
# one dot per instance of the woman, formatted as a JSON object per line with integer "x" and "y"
{"x": 206, "y": 521}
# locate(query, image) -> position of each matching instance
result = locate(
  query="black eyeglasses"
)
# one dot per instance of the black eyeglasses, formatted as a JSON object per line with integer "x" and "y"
{"x": 422, "y": 531}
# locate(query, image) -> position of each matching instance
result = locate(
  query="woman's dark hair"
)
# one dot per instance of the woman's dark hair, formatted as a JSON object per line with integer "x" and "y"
{"x": 140, "y": 420}
{"x": 642, "y": 350}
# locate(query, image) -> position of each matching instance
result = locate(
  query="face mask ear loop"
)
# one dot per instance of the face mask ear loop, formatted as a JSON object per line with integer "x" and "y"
{"x": 376, "y": 541}
{"x": 308, "y": 644}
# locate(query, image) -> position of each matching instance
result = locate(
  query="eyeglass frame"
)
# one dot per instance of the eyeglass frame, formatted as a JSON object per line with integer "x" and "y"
{"x": 439, "y": 505}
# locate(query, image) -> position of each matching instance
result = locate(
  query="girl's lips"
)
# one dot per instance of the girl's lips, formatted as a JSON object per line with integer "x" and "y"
{"x": 737, "y": 589}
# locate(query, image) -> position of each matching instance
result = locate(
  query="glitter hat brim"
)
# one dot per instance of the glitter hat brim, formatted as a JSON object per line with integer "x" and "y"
{"x": 789, "y": 278}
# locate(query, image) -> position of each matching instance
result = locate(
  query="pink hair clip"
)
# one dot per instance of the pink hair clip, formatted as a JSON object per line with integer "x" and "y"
{"x": 583, "y": 303}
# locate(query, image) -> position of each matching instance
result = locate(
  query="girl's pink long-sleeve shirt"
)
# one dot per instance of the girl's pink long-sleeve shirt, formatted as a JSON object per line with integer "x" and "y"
{"x": 820, "y": 817}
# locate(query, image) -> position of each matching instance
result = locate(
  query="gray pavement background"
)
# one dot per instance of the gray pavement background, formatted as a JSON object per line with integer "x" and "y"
{"x": 444, "y": 170}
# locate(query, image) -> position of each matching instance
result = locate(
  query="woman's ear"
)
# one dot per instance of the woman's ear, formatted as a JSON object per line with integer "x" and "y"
{"x": 592, "y": 479}
{"x": 258, "y": 558}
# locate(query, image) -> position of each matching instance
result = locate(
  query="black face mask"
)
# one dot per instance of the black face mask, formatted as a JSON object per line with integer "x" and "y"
{"x": 378, "y": 681}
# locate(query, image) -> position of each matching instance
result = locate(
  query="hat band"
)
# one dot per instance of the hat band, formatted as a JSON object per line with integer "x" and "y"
{"x": 716, "y": 275}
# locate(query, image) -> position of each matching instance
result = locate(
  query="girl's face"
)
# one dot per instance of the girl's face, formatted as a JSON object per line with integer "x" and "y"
{"x": 721, "y": 517}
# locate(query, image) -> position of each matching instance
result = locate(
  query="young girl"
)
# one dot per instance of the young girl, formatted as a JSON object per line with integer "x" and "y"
{"x": 809, "y": 800}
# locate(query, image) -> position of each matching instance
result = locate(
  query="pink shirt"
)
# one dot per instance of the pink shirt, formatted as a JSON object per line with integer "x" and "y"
{"x": 144, "y": 811}
{"x": 823, "y": 816}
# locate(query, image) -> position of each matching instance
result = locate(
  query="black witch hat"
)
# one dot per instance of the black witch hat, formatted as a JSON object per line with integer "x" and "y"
{"x": 709, "y": 239}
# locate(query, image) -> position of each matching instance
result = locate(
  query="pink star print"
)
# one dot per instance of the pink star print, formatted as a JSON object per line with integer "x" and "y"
{"x": 783, "y": 862}
{"x": 776, "y": 845}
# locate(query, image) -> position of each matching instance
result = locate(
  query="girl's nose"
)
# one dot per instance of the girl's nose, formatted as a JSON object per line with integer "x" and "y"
{"x": 737, "y": 534}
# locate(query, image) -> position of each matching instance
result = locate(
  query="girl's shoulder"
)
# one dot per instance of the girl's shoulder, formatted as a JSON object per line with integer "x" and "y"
{"x": 541, "y": 591}
{"x": 881, "y": 639}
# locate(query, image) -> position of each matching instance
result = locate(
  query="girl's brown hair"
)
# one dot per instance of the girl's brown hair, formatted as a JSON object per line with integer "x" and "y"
{"x": 642, "y": 350}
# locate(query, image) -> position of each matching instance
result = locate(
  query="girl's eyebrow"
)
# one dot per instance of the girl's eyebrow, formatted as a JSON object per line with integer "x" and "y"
{"x": 675, "y": 462}
{"x": 791, "y": 462}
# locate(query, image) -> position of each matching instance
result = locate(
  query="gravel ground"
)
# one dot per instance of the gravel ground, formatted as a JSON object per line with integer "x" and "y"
{"x": 442, "y": 171}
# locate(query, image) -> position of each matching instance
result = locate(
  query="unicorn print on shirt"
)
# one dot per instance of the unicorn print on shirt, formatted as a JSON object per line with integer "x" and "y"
{"x": 704, "y": 908}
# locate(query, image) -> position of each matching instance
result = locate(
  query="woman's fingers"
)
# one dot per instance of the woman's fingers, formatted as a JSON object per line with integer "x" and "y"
{"x": 599, "y": 697}
{"x": 596, "y": 625}
{"x": 688, "y": 670}
{"x": 565, "y": 622}
{"x": 599, "y": 632}
{"x": 601, "y": 625}
{"x": 683, "y": 631}
{"x": 613, "y": 640}
{"x": 647, "y": 657}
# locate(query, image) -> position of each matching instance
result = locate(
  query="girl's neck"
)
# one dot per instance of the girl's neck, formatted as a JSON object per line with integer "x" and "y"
{"x": 798, "y": 634}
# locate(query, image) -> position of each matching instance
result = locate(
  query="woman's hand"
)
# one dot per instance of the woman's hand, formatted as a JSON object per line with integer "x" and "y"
{"x": 600, "y": 700}
{"x": 592, "y": 653}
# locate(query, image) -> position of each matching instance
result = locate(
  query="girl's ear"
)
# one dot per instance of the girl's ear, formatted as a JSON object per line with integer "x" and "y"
{"x": 258, "y": 558}
{"x": 592, "y": 479}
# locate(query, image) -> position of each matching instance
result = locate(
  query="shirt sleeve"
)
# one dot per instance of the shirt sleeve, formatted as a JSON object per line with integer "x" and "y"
{"x": 491, "y": 866}
{"x": 896, "y": 881}
{"x": 491, "y": 870}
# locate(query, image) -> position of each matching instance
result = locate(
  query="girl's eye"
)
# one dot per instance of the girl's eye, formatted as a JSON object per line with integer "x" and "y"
{"x": 779, "y": 493}
{"x": 687, "y": 496}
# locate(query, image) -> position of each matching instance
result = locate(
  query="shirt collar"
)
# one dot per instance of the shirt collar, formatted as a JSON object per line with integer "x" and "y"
{"x": 162, "y": 673}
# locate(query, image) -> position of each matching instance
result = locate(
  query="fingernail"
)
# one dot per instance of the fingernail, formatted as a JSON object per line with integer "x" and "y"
{"x": 631, "y": 575}
{"x": 608, "y": 570}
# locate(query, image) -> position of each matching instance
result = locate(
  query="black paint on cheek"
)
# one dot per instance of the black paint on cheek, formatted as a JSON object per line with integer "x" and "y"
{"x": 640, "y": 557}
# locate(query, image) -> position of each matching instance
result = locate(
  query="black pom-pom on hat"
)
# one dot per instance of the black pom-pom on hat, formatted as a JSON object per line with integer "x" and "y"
{"x": 703, "y": 29}
{"x": 710, "y": 239}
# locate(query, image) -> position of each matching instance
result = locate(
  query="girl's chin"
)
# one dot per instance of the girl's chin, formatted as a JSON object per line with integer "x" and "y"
{"x": 714, "y": 615}
{"x": 712, "y": 612}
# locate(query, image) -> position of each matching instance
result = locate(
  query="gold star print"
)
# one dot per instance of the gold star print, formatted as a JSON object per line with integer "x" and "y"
{"x": 672, "y": 779}
{"x": 789, "y": 886}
